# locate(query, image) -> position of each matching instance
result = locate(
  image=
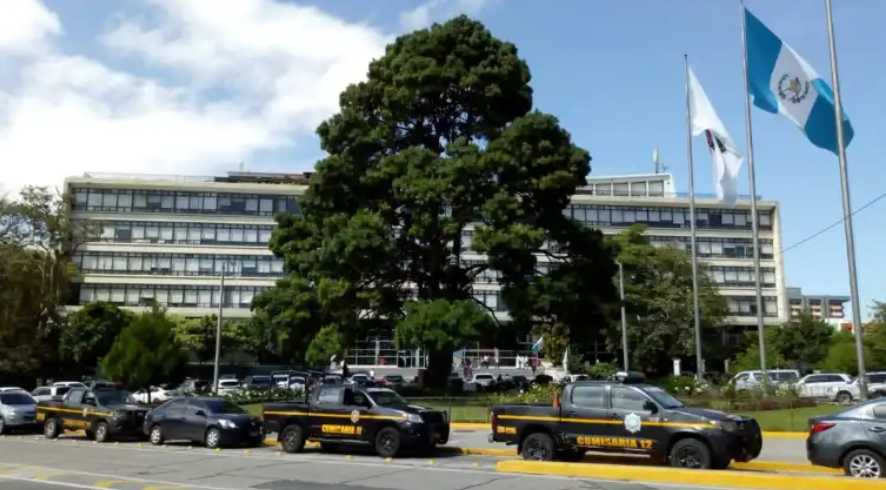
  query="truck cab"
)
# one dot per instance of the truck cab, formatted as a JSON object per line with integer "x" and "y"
{"x": 337, "y": 415}
{"x": 103, "y": 414}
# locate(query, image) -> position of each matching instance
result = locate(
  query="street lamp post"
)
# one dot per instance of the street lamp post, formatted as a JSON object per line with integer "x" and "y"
{"x": 624, "y": 315}
{"x": 218, "y": 328}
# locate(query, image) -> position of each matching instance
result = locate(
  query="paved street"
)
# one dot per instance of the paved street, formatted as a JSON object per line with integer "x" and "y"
{"x": 774, "y": 449}
{"x": 33, "y": 463}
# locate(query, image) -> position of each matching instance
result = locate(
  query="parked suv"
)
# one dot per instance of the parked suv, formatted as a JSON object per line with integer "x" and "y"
{"x": 747, "y": 380}
{"x": 850, "y": 391}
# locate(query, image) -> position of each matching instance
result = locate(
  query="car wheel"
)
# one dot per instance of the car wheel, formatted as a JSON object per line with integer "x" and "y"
{"x": 387, "y": 442}
{"x": 101, "y": 432}
{"x": 213, "y": 438}
{"x": 538, "y": 447}
{"x": 844, "y": 398}
{"x": 157, "y": 438}
{"x": 691, "y": 454}
{"x": 863, "y": 463}
{"x": 51, "y": 429}
{"x": 293, "y": 439}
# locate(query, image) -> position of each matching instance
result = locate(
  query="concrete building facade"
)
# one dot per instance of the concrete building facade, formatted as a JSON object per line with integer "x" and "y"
{"x": 822, "y": 306}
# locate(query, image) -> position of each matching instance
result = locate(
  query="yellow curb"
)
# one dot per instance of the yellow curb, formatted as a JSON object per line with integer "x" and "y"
{"x": 469, "y": 426}
{"x": 785, "y": 467}
{"x": 722, "y": 479}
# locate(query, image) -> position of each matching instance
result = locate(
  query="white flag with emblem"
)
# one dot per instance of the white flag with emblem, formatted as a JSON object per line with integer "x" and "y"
{"x": 727, "y": 159}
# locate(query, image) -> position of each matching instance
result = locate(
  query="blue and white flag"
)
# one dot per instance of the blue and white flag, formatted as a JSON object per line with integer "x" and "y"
{"x": 536, "y": 347}
{"x": 782, "y": 82}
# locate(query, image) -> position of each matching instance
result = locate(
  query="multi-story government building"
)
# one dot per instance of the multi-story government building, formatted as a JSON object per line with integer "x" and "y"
{"x": 165, "y": 240}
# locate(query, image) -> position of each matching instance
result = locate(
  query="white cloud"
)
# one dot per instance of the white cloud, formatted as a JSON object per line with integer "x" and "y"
{"x": 278, "y": 67}
{"x": 439, "y": 10}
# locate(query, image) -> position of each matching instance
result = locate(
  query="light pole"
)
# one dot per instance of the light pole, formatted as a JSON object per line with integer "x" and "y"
{"x": 624, "y": 315}
{"x": 218, "y": 327}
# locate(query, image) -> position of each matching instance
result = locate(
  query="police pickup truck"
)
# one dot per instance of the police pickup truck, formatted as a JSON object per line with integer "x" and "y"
{"x": 103, "y": 413}
{"x": 608, "y": 416}
{"x": 337, "y": 415}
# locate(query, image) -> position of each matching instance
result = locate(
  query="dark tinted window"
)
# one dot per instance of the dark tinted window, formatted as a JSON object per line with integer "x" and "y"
{"x": 223, "y": 406}
{"x": 16, "y": 399}
{"x": 329, "y": 396}
{"x": 353, "y": 397}
{"x": 588, "y": 396}
{"x": 41, "y": 392}
{"x": 60, "y": 391}
{"x": 114, "y": 397}
{"x": 173, "y": 407}
{"x": 877, "y": 378}
{"x": 628, "y": 399}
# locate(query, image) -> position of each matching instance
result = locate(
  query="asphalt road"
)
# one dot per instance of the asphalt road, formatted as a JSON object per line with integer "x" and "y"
{"x": 774, "y": 449}
{"x": 34, "y": 463}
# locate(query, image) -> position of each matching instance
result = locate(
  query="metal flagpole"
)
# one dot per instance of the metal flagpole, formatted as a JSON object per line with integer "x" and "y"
{"x": 847, "y": 208}
{"x": 752, "y": 182}
{"x": 699, "y": 368}
{"x": 218, "y": 328}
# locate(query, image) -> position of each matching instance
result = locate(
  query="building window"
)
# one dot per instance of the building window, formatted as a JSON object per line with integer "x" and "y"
{"x": 126, "y": 201}
{"x": 662, "y": 217}
{"x": 140, "y": 263}
{"x": 746, "y": 306}
{"x": 167, "y": 295}
{"x": 183, "y": 233}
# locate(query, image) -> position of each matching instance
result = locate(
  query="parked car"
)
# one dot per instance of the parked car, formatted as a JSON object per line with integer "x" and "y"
{"x": 69, "y": 384}
{"x": 392, "y": 381}
{"x": 483, "y": 381}
{"x": 820, "y": 385}
{"x": 158, "y": 395}
{"x": 18, "y": 411}
{"x": 849, "y": 392}
{"x": 853, "y": 439}
{"x": 12, "y": 389}
{"x": 210, "y": 421}
{"x": 104, "y": 414}
{"x": 46, "y": 393}
{"x": 258, "y": 383}
{"x": 362, "y": 380}
{"x": 194, "y": 386}
{"x": 747, "y": 380}
{"x": 228, "y": 387}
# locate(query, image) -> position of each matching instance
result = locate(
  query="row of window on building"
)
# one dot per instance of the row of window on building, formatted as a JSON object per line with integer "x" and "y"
{"x": 146, "y": 201}
{"x": 169, "y": 295}
{"x": 178, "y": 264}
{"x": 138, "y": 201}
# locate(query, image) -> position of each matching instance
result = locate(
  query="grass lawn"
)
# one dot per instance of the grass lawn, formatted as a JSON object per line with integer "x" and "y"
{"x": 770, "y": 420}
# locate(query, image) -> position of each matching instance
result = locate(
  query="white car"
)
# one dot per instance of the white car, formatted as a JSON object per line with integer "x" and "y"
{"x": 483, "y": 381}
{"x": 70, "y": 384}
{"x": 157, "y": 395}
{"x": 11, "y": 389}
{"x": 228, "y": 387}
{"x": 849, "y": 392}
{"x": 747, "y": 380}
{"x": 820, "y": 385}
{"x": 47, "y": 393}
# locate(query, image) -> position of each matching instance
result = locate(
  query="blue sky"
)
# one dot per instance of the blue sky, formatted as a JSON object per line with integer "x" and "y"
{"x": 115, "y": 85}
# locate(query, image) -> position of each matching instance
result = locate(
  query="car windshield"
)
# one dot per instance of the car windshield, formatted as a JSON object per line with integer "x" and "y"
{"x": 114, "y": 397}
{"x": 16, "y": 399}
{"x": 224, "y": 406}
{"x": 395, "y": 378}
{"x": 261, "y": 380}
{"x": 388, "y": 398}
{"x": 663, "y": 398}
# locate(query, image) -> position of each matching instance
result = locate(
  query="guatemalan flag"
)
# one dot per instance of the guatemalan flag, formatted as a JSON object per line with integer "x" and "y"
{"x": 780, "y": 81}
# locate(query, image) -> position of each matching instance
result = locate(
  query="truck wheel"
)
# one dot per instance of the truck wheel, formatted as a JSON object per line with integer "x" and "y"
{"x": 863, "y": 463}
{"x": 293, "y": 439}
{"x": 51, "y": 429}
{"x": 101, "y": 432}
{"x": 690, "y": 453}
{"x": 538, "y": 447}
{"x": 844, "y": 398}
{"x": 387, "y": 442}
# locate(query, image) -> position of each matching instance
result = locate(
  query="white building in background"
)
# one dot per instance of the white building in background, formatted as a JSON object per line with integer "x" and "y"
{"x": 165, "y": 239}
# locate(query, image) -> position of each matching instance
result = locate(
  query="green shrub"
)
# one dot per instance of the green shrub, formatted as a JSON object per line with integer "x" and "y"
{"x": 535, "y": 394}
{"x": 679, "y": 385}
{"x": 249, "y": 397}
{"x": 602, "y": 370}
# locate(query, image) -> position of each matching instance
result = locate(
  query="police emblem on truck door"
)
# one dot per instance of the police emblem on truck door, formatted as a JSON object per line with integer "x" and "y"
{"x": 355, "y": 416}
{"x": 633, "y": 423}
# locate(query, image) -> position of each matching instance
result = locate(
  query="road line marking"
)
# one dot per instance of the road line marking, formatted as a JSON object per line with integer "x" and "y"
{"x": 47, "y": 476}
{"x": 164, "y": 487}
{"x": 14, "y": 469}
{"x": 110, "y": 483}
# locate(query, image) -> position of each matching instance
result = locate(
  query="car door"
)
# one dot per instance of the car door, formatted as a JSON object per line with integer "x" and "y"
{"x": 172, "y": 419}
{"x": 79, "y": 404}
{"x": 193, "y": 421}
{"x": 584, "y": 416}
{"x": 876, "y": 426}
{"x": 811, "y": 386}
{"x": 326, "y": 412}
{"x": 633, "y": 426}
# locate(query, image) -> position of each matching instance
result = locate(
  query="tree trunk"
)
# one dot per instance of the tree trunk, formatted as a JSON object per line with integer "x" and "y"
{"x": 439, "y": 367}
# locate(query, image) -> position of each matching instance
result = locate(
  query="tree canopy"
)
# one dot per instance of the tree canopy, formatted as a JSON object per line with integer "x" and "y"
{"x": 659, "y": 301}
{"x": 439, "y": 170}
{"x": 805, "y": 340}
{"x": 90, "y": 333}
{"x": 146, "y": 353}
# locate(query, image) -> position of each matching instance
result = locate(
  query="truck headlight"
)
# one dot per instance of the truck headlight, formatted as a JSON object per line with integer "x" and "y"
{"x": 727, "y": 426}
{"x": 227, "y": 424}
{"x": 121, "y": 414}
{"x": 414, "y": 418}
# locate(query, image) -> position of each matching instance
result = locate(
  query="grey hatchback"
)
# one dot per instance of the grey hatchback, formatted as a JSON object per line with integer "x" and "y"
{"x": 853, "y": 439}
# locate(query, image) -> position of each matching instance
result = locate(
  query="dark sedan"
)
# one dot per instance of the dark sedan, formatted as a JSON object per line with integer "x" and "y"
{"x": 210, "y": 421}
{"x": 853, "y": 439}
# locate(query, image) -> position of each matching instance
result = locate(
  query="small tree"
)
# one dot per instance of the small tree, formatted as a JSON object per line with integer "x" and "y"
{"x": 804, "y": 341}
{"x": 326, "y": 344}
{"x": 146, "y": 353}
{"x": 841, "y": 356}
{"x": 749, "y": 358}
{"x": 91, "y": 333}
{"x": 198, "y": 336}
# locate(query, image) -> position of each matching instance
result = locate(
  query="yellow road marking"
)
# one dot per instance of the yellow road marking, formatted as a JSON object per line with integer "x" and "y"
{"x": 110, "y": 483}
{"x": 14, "y": 469}
{"x": 47, "y": 476}
{"x": 164, "y": 487}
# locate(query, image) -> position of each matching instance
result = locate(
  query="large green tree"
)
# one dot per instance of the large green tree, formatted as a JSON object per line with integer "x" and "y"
{"x": 90, "y": 333}
{"x": 805, "y": 341}
{"x": 146, "y": 353}
{"x": 37, "y": 241}
{"x": 198, "y": 335}
{"x": 440, "y": 144}
{"x": 659, "y": 301}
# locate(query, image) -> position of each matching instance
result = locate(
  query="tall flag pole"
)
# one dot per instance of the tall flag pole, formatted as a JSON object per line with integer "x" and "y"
{"x": 847, "y": 205}
{"x": 752, "y": 182}
{"x": 699, "y": 368}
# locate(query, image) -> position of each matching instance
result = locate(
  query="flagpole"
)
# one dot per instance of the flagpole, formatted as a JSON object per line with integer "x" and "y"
{"x": 847, "y": 207}
{"x": 752, "y": 182}
{"x": 696, "y": 310}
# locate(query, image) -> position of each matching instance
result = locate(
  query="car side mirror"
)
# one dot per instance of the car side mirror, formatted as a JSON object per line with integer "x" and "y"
{"x": 650, "y": 407}
{"x": 200, "y": 413}
{"x": 89, "y": 401}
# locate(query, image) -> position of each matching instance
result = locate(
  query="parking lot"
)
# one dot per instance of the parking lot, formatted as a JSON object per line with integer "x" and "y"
{"x": 32, "y": 462}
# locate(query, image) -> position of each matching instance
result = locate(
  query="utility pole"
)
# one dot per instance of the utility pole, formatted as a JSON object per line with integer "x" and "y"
{"x": 218, "y": 327}
{"x": 624, "y": 315}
